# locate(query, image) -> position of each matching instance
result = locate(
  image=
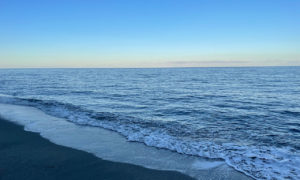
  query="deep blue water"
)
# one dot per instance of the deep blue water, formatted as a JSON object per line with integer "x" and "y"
{"x": 250, "y": 117}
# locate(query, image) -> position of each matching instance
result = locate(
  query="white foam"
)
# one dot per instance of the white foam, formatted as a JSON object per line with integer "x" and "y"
{"x": 112, "y": 146}
{"x": 259, "y": 162}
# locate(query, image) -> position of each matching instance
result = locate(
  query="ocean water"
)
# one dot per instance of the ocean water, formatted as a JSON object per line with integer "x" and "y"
{"x": 249, "y": 117}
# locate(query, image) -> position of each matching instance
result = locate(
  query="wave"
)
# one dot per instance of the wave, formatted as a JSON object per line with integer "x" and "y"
{"x": 259, "y": 162}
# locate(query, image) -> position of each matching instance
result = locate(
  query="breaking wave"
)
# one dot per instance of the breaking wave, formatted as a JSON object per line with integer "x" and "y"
{"x": 259, "y": 162}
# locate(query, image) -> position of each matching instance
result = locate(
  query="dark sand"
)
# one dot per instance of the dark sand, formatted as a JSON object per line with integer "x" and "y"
{"x": 26, "y": 155}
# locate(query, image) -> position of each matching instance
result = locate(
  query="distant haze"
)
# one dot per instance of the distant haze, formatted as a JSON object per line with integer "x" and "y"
{"x": 154, "y": 33}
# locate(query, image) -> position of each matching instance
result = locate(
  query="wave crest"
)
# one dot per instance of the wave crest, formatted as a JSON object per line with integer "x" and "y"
{"x": 259, "y": 162}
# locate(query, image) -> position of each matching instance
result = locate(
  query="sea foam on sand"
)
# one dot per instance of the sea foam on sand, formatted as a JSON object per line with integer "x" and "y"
{"x": 111, "y": 146}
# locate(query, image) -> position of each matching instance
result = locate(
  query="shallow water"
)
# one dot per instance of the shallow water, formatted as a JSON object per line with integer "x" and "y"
{"x": 250, "y": 117}
{"x": 111, "y": 146}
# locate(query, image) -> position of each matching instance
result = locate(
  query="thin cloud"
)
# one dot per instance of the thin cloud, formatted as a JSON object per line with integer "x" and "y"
{"x": 206, "y": 62}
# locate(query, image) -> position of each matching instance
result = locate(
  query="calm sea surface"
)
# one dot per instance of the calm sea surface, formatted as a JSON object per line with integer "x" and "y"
{"x": 250, "y": 117}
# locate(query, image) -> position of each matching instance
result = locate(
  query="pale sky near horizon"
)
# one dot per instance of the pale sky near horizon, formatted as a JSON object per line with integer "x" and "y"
{"x": 150, "y": 33}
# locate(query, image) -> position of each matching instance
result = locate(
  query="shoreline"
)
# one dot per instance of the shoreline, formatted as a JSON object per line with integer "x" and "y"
{"x": 27, "y": 155}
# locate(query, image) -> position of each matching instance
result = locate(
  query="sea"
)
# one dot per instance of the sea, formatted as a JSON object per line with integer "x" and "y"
{"x": 248, "y": 117}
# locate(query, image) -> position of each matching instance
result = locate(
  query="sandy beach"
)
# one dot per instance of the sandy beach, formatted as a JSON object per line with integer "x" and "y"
{"x": 26, "y": 155}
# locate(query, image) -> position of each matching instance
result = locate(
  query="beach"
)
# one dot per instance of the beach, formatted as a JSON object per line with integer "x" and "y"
{"x": 26, "y": 155}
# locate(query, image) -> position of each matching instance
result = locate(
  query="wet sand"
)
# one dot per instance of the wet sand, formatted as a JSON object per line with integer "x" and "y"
{"x": 26, "y": 155}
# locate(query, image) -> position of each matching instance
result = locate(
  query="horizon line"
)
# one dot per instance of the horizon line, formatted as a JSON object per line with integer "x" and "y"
{"x": 171, "y": 67}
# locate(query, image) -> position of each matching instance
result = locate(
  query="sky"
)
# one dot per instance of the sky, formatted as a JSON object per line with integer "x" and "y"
{"x": 149, "y": 33}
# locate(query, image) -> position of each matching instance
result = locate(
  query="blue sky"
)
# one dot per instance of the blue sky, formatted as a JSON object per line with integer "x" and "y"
{"x": 152, "y": 33}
